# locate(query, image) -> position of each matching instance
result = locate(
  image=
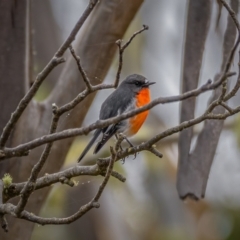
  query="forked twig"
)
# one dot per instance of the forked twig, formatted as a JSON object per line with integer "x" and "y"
{"x": 121, "y": 49}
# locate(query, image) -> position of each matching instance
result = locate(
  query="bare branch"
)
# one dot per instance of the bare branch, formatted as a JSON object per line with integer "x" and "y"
{"x": 226, "y": 106}
{"x": 108, "y": 174}
{"x": 11, "y": 152}
{"x": 80, "y": 68}
{"x": 81, "y": 96}
{"x": 49, "y": 179}
{"x": 57, "y": 59}
{"x": 121, "y": 49}
{"x": 3, "y": 221}
{"x": 232, "y": 13}
{"x": 155, "y": 152}
{"x": 11, "y": 209}
{"x": 30, "y": 185}
{"x": 237, "y": 85}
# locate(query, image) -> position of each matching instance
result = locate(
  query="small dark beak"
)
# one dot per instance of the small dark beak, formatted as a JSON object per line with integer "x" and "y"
{"x": 149, "y": 83}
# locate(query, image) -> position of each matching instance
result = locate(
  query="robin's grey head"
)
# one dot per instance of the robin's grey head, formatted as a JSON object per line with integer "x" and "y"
{"x": 136, "y": 82}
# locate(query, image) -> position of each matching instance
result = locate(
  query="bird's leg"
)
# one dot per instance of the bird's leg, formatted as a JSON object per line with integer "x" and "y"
{"x": 116, "y": 135}
{"x": 131, "y": 145}
{"x": 123, "y": 160}
{"x": 127, "y": 140}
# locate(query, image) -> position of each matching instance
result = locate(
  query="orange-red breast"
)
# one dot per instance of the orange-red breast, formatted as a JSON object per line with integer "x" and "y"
{"x": 131, "y": 94}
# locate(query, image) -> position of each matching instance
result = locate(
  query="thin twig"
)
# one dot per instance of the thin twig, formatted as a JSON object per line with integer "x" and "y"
{"x": 80, "y": 68}
{"x": 107, "y": 176}
{"x": 121, "y": 49}
{"x": 9, "y": 208}
{"x": 231, "y": 56}
{"x": 145, "y": 27}
{"x": 233, "y": 92}
{"x": 232, "y": 14}
{"x": 50, "y": 179}
{"x": 226, "y": 106}
{"x": 110, "y": 167}
{"x": 155, "y": 152}
{"x": 81, "y": 96}
{"x": 30, "y": 185}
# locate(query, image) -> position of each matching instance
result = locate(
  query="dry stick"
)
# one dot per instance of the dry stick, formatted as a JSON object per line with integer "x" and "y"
{"x": 206, "y": 115}
{"x": 232, "y": 14}
{"x": 226, "y": 106}
{"x": 121, "y": 51}
{"x": 223, "y": 96}
{"x": 80, "y": 68}
{"x": 57, "y": 59}
{"x": 154, "y": 151}
{"x": 109, "y": 170}
{"x": 10, "y": 152}
{"x": 30, "y": 185}
{"x": 11, "y": 209}
{"x": 237, "y": 85}
{"x": 148, "y": 144}
{"x": 49, "y": 179}
{"x": 225, "y": 115}
{"x": 3, "y": 220}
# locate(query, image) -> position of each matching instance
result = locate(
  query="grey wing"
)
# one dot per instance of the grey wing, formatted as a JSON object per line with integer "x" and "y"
{"x": 115, "y": 104}
{"x": 118, "y": 102}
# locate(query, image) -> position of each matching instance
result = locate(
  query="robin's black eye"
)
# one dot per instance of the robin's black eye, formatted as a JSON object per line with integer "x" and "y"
{"x": 138, "y": 83}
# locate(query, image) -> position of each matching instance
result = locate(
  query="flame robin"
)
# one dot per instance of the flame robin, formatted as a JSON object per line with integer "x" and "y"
{"x": 132, "y": 93}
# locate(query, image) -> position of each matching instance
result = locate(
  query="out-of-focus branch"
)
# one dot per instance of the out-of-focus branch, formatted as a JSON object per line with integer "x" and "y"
{"x": 57, "y": 59}
{"x": 197, "y": 27}
{"x": 231, "y": 13}
{"x": 3, "y": 221}
{"x": 12, "y": 210}
{"x": 194, "y": 175}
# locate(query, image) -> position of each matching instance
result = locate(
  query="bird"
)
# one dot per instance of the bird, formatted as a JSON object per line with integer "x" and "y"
{"x": 132, "y": 93}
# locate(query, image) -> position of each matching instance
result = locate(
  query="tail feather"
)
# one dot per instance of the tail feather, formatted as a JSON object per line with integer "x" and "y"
{"x": 95, "y": 136}
{"x": 100, "y": 144}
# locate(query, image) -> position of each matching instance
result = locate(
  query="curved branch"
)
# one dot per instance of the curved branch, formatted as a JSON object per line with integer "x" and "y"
{"x": 11, "y": 152}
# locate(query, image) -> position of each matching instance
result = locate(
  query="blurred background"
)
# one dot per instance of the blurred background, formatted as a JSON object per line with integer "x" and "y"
{"x": 147, "y": 205}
